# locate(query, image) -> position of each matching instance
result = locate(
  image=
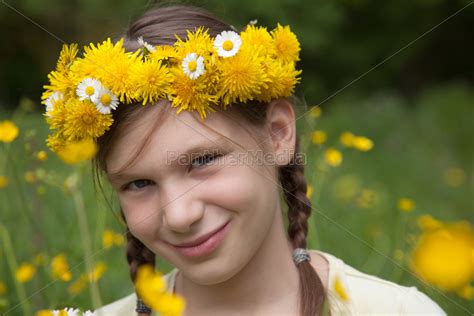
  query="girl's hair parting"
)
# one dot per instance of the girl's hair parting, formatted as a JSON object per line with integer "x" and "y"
{"x": 159, "y": 26}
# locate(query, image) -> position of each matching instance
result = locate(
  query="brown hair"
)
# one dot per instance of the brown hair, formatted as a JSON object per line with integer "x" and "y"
{"x": 158, "y": 27}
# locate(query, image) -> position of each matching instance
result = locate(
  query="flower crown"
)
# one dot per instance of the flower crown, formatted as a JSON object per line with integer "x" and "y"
{"x": 196, "y": 74}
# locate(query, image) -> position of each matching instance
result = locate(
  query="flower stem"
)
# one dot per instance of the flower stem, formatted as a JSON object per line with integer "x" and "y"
{"x": 11, "y": 260}
{"x": 86, "y": 242}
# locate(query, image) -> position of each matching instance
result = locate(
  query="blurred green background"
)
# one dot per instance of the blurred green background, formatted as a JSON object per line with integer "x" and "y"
{"x": 385, "y": 70}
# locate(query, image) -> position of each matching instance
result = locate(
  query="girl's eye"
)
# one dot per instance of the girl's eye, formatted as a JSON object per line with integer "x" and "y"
{"x": 204, "y": 160}
{"x": 138, "y": 184}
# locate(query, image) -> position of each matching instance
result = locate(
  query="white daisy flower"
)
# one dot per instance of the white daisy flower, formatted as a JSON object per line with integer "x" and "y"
{"x": 51, "y": 101}
{"x": 193, "y": 66}
{"x": 147, "y": 46}
{"x": 227, "y": 43}
{"x": 69, "y": 311}
{"x": 105, "y": 101}
{"x": 88, "y": 88}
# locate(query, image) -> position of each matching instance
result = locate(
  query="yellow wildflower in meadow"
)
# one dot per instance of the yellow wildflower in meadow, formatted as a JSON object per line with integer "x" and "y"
{"x": 30, "y": 176}
{"x": 110, "y": 238}
{"x": 333, "y": 157}
{"x": 60, "y": 268}
{"x": 346, "y": 139}
{"x": 99, "y": 270}
{"x": 3, "y": 182}
{"x": 315, "y": 111}
{"x": 3, "y": 288}
{"x": 318, "y": 137}
{"x": 25, "y": 272}
{"x": 41, "y": 155}
{"x": 443, "y": 255}
{"x": 152, "y": 289}
{"x": 309, "y": 191}
{"x": 362, "y": 143}
{"x": 76, "y": 152}
{"x": 8, "y": 131}
{"x": 406, "y": 205}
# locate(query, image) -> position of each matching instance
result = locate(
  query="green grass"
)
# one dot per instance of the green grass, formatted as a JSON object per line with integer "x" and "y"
{"x": 415, "y": 141}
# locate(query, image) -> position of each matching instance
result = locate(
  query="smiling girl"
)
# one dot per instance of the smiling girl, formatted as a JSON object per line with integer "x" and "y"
{"x": 200, "y": 170}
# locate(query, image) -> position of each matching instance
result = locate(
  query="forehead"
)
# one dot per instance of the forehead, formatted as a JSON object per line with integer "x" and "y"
{"x": 163, "y": 134}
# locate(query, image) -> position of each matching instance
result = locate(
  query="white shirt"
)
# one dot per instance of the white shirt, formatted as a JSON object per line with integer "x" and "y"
{"x": 366, "y": 295}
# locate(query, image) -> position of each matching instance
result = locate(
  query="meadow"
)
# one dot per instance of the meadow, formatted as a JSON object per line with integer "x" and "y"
{"x": 390, "y": 180}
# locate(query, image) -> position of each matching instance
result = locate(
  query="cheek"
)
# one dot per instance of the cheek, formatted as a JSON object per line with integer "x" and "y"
{"x": 142, "y": 220}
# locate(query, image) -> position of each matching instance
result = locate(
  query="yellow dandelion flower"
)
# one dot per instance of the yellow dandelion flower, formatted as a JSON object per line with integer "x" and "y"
{"x": 3, "y": 288}
{"x": 199, "y": 42}
{"x": 107, "y": 238}
{"x": 110, "y": 64}
{"x": 83, "y": 120}
{"x": 193, "y": 95}
{"x": 45, "y": 312}
{"x": 318, "y": 137}
{"x": 118, "y": 239}
{"x": 25, "y": 272}
{"x": 427, "y": 222}
{"x": 76, "y": 152}
{"x": 61, "y": 80}
{"x": 77, "y": 286}
{"x": 333, "y": 157}
{"x": 340, "y": 290}
{"x": 55, "y": 142}
{"x": 41, "y": 155}
{"x": 3, "y": 182}
{"x": 347, "y": 139}
{"x": 315, "y": 111}
{"x": 406, "y": 205}
{"x": 151, "y": 80}
{"x": 286, "y": 44}
{"x": 164, "y": 52}
{"x": 151, "y": 288}
{"x": 259, "y": 37}
{"x": 362, "y": 143}
{"x": 282, "y": 77}
{"x": 99, "y": 270}
{"x": 443, "y": 257}
{"x": 455, "y": 177}
{"x": 309, "y": 191}
{"x": 241, "y": 77}
{"x": 60, "y": 268}
{"x": 56, "y": 117}
{"x": 8, "y": 131}
{"x": 66, "y": 57}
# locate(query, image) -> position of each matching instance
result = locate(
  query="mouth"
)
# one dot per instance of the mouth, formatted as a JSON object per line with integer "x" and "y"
{"x": 203, "y": 245}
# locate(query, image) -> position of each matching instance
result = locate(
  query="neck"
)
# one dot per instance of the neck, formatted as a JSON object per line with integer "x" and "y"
{"x": 269, "y": 281}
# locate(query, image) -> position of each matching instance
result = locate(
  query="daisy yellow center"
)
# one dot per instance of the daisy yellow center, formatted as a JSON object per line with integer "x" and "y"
{"x": 192, "y": 65}
{"x": 228, "y": 45}
{"x": 90, "y": 90}
{"x": 105, "y": 99}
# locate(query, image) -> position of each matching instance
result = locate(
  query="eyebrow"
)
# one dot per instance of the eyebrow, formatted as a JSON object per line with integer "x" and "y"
{"x": 221, "y": 144}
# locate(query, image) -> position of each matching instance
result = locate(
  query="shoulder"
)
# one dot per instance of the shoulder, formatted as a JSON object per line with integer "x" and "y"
{"x": 125, "y": 306}
{"x": 362, "y": 293}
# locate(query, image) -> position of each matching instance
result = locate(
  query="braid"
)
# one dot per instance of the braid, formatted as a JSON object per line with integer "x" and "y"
{"x": 137, "y": 254}
{"x": 294, "y": 186}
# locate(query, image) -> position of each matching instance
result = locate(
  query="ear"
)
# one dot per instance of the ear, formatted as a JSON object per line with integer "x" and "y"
{"x": 282, "y": 129}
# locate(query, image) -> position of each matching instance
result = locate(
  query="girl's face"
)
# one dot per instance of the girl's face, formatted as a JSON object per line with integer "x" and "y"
{"x": 168, "y": 201}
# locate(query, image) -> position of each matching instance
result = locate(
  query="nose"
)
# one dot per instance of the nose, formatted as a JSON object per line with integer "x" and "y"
{"x": 181, "y": 208}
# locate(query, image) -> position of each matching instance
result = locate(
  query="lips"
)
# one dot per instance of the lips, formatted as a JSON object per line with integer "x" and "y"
{"x": 199, "y": 240}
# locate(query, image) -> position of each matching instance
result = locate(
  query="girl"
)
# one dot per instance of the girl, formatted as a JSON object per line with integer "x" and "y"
{"x": 205, "y": 194}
